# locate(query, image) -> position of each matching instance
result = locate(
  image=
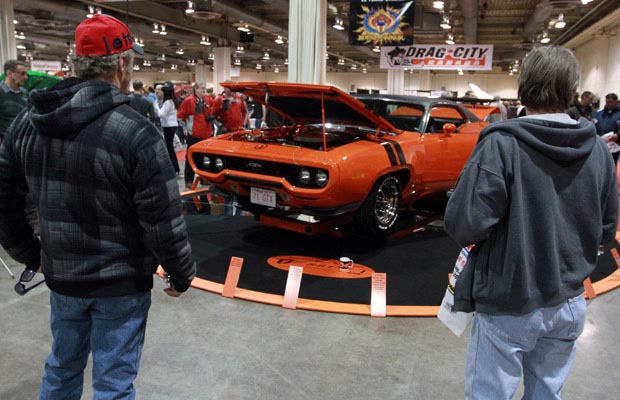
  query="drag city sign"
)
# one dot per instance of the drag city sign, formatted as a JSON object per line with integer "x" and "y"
{"x": 460, "y": 56}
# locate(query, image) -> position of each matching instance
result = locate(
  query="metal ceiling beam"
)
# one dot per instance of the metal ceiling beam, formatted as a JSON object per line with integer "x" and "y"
{"x": 469, "y": 9}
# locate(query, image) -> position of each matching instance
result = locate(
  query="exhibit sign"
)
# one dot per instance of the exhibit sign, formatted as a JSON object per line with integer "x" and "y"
{"x": 293, "y": 283}
{"x": 40, "y": 65}
{"x": 378, "y": 294}
{"x": 381, "y": 22}
{"x": 438, "y": 56}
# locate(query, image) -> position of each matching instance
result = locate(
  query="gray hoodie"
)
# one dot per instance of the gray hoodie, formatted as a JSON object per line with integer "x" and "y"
{"x": 537, "y": 198}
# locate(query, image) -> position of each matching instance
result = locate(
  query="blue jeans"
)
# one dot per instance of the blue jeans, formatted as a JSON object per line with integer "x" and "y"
{"x": 112, "y": 328}
{"x": 539, "y": 345}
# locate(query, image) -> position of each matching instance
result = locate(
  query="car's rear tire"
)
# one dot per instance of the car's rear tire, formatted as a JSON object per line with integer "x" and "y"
{"x": 379, "y": 213}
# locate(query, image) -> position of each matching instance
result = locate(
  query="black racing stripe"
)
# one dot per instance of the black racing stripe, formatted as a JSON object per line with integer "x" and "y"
{"x": 390, "y": 152}
{"x": 399, "y": 151}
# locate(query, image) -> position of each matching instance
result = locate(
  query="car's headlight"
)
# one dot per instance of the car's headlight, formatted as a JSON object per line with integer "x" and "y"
{"x": 206, "y": 162}
{"x": 321, "y": 178}
{"x": 219, "y": 164}
{"x": 304, "y": 176}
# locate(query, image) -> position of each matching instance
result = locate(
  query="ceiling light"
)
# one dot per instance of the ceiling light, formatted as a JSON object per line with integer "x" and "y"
{"x": 190, "y": 7}
{"x": 180, "y": 51}
{"x": 91, "y": 12}
{"x": 326, "y": 55}
{"x": 545, "y": 38}
{"x": 450, "y": 39}
{"x": 559, "y": 24}
{"x": 286, "y": 61}
{"x": 259, "y": 66}
{"x": 376, "y": 49}
{"x": 15, "y": 22}
{"x": 279, "y": 40}
{"x": 364, "y": 70}
{"x": 266, "y": 56}
{"x": 354, "y": 67}
{"x": 339, "y": 24}
{"x": 163, "y": 57}
{"x": 211, "y": 57}
{"x": 136, "y": 67}
{"x": 584, "y": 2}
{"x": 191, "y": 62}
{"x": 146, "y": 63}
{"x": 163, "y": 70}
{"x": 243, "y": 28}
{"x": 460, "y": 72}
{"x": 21, "y": 47}
{"x": 237, "y": 61}
{"x": 173, "y": 67}
{"x": 205, "y": 41}
{"x": 445, "y": 23}
{"x": 276, "y": 70}
{"x": 341, "y": 61}
{"x": 155, "y": 27}
{"x": 438, "y": 5}
{"x": 163, "y": 30}
{"x": 239, "y": 49}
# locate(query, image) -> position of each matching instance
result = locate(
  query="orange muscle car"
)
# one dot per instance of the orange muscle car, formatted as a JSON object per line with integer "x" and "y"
{"x": 330, "y": 157}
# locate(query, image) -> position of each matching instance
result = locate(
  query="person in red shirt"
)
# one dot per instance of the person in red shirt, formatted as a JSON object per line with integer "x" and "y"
{"x": 230, "y": 109}
{"x": 195, "y": 115}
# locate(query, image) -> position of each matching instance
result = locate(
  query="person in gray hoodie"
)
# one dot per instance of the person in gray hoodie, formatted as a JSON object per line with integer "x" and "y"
{"x": 536, "y": 198}
{"x": 110, "y": 213}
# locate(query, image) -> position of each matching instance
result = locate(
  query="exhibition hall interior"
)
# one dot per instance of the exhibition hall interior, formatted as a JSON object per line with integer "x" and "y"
{"x": 323, "y": 270}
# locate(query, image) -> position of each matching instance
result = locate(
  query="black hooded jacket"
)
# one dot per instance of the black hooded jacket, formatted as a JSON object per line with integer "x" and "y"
{"x": 109, "y": 203}
{"x": 537, "y": 198}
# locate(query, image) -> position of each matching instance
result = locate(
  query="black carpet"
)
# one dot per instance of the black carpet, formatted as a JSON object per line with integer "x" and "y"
{"x": 417, "y": 266}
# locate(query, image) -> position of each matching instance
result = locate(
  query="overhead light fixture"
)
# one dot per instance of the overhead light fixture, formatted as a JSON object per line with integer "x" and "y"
{"x": 91, "y": 12}
{"x": 155, "y": 27}
{"x": 560, "y": 23}
{"x": 279, "y": 40}
{"x": 173, "y": 67}
{"x": 376, "y": 49}
{"x": 237, "y": 62}
{"x": 136, "y": 67}
{"x": 339, "y": 24}
{"x": 510, "y": 73}
{"x": 243, "y": 28}
{"x": 445, "y": 23}
{"x": 460, "y": 72}
{"x": 190, "y": 8}
{"x": 364, "y": 70}
{"x": 276, "y": 70}
{"x": 239, "y": 49}
{"x": 341, "y": 61}
{"x": 259, "y": 66}
{"x": 180, "y": 51}
{"x": 438, "y": 5}
{"x": 162, "y": 70}
{"x": 326, "y": 55}
{"x": 211, "y": 56}
{"x": 163, "y": 57}
{"x": 20, "y": 46}
{"x": 15, "y": 22}
{"x": 191, "y": 62}
{"x": 163, "y": 30}
{"x": 205, "y": 41}
{"x": 450, "y": 39}
{"x": 354, "y": 67}
{"x": 19, "y": 35}
{"x": 266, "y": 56}
{"x": 545, "y": 38}
{"x": 584, "y": 2}
{"x": 286, "y": 61}
{"x": 146, "y": 63}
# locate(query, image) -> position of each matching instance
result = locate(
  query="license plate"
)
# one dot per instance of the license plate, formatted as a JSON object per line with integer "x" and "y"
{"x": 264, "y": 197}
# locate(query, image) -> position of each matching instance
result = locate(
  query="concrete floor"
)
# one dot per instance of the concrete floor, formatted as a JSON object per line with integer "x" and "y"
{"x": 204, "y": 346}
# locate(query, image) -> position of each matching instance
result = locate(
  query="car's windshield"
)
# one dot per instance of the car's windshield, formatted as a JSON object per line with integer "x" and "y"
{"x": 402, "y": 115}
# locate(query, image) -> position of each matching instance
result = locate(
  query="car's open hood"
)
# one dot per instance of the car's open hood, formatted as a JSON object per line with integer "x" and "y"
{"x": 301, "y": 103}
{"x": 482, "y": 111}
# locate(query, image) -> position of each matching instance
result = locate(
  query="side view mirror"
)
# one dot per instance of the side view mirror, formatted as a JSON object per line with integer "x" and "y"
{"x": 448, "y": 129}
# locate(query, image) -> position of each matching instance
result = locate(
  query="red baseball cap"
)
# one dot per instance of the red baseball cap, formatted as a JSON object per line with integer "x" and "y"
{"x": 103, "y": 35}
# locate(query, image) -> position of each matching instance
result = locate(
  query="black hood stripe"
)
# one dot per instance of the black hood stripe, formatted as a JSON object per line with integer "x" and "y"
{"x": 390, "y": 153}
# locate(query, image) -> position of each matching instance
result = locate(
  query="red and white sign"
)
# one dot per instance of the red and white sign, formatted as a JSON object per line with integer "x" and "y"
{"x": 40, "y": 65}
{"x": 457, "y": 56}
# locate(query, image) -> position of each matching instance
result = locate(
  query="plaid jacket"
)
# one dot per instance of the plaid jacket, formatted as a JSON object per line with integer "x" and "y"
{"x": 108, "y": 200}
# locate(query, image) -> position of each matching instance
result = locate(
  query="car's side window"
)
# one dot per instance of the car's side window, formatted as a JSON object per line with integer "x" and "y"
{"x": 444, "y": 114}
{"x": 404, "y": 116}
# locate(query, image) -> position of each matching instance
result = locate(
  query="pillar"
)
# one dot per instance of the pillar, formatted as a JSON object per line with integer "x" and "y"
{"x": 8, "y": 47}
{"x": 396, "y": 81}
{"x": 221, "y": 67}
{"x": 307, "y": 41}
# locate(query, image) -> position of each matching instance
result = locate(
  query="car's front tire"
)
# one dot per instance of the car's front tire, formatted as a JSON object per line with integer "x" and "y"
{"x": 379, "y": 213}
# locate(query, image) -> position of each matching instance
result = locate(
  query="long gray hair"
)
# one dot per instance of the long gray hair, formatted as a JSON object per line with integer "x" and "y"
{"x": 548, "y": 78}
{"x": 101, "y": 67}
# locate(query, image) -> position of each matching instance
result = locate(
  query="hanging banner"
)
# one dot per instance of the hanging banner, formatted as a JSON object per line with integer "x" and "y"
{"x": 381, "y": 22}
{"x": 455, "y": 56}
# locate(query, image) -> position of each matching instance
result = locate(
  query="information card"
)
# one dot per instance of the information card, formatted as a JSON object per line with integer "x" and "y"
{"x": 293, "y": 283}
{"x": 232, "y": 277}
{"x": 377, "y": 297}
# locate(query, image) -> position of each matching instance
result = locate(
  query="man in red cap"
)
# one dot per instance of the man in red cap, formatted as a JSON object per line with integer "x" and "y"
{"x": 110, "y": 212}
